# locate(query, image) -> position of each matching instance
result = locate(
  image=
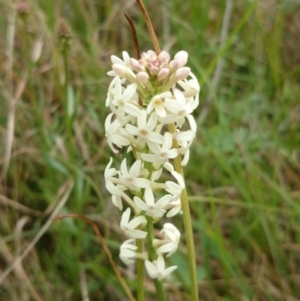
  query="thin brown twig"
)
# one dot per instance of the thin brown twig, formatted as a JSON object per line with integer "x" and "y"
{"x": 149, "y": 26}
{"x": 106, "y": 249}
{"x": 135, "y": 39}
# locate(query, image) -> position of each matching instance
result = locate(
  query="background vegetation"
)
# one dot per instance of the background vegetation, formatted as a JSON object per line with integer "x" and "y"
{"x": 244, "y": 173}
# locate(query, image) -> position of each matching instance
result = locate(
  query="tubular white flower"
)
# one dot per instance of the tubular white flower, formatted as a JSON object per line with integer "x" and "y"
{"x": 174, "y": 188}
{"x": 115, "y": 60}
{"x": 128, "y": 252}
{"x": 161, "y": 154}
{"x": 131, "y": 178}
{"x": 152, "y": 208}
{"x": 184, "y": 150}
{"x": 115, "y": 192}
{"x": 145, "y": 129}
{"x": 156, "y": 269}
{"x": 157, "y": 104}
{"x": 126, "y": 59}
{"x": 109, "y": 172}
{"x": 129, "y": 227}
{"x": 115, "y": 134}
{"x": 175, "y": 207}
{"x": 124, "y": 96}
{"x": 111, "y": 91}
{"x": 117, "y": 200}
{"x": 171, "y": 239}
{"x": 187, "y": 136}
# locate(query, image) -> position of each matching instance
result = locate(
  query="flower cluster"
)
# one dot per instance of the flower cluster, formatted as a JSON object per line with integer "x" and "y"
{"x": 145, "y": 96}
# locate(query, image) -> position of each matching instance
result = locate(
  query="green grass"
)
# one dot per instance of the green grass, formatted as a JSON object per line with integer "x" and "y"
{"x": 244, "y": 172}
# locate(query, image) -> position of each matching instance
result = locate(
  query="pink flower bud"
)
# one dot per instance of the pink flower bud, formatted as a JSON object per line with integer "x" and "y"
{"x": 174, "y": 65}
{"x": 151, "y": 55}
{"x": 153, "y": 70}
{"x": 182, "y": 56}
{"x": 164, "y": 57}
{"x": 182, "y": 73}
{"x": 163, "y": 73}
{"x": 179, "y": 61}
{"x": 142, "y": 77}
{"x": 136, "y": 65}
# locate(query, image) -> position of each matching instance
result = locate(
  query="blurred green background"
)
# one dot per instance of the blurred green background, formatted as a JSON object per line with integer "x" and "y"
{"x": 243, "y": 177}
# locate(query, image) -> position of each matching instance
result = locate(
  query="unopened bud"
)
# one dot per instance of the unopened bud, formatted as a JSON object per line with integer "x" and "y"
{"x": 153, "y": 70}
{"x": 182, "y": 56}
{"x": 182, "y": 73}
{"x": 151, "y": 55}
{"x": 136, "y": 65}
{"x": 164, "y": 57}
{"x": 179, "y": 61}
{"x": 163, "y": 73}
{"x": 142, "y": 77}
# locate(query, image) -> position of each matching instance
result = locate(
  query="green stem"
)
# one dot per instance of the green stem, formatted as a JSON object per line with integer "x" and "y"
{"x": 187, "y": 221}
{"x": 140, "y": 272}
{"x": 161, "y": 296}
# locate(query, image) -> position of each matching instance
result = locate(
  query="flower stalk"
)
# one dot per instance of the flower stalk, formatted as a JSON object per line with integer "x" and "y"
{"x": 140, "y": 272}
{"x": 161, "y": 296}
{"x": 187, "y": 222}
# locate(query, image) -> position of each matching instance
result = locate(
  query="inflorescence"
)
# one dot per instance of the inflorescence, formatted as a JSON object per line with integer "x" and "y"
{"x": 145, "y": 97}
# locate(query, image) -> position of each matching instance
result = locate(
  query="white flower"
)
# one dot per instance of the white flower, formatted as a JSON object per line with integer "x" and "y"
{"x": 125, "y": 99}
{"x": 131, "y": 178}
{"x": 115, "y": 190}
{"x": 173, "y": 187}
{"x": 185, "y": 151}
{"x": 157, "y": 104}
{"x": 175, "y": 207}
{"x": 161, "y": 154}
{"x": 129, "y": 227}
{"x": 156, "y": 269}
{"x": 171, "y": 239}
{"x": 127, "y": 251}
{"x": 145, "y": 129}
{"x": 109, "y": 172}
{"x": 191, "y": 86}
{"x": 115, "y": 60}
{"x": 185, "y": 136}
{"x": 179, "y": 107}
{"x": 152, "y": 208}
{"x": 168, "y": 166}
{"x": 111, "y": 91}
{"x": 115, "y": 134}
{"x": 154, "y": 177}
